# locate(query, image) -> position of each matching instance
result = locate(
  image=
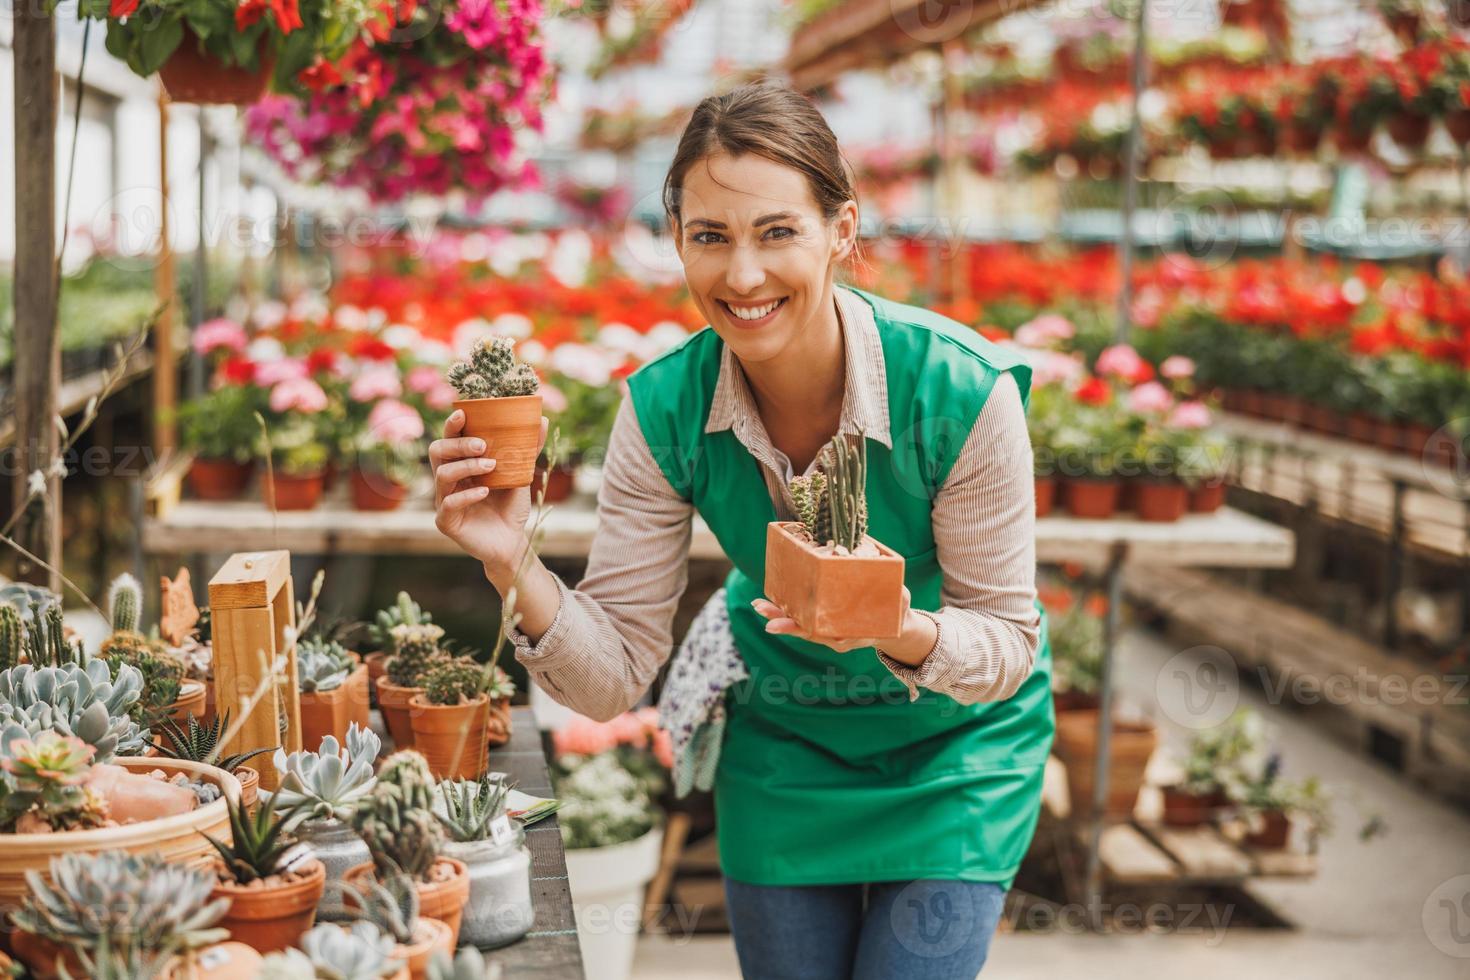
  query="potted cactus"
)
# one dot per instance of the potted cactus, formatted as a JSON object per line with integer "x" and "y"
{"x": 451, "y": 718}
{"x": 501, "y": 401}
{"x": 393, "y": 906}
{"x": 397, "y": 822}
{"x": 358, "y": 952}
{"x": 403, "y": 612}
{"x": 167, "y": 693}
{"x": 327, "y": 786}
{"x": 824, "y": 571}
{"x": 273, "y": 887}
{"x": 322, "y": 671}
{"x": 201, "y": 742}
{"x": 493, "y": 849}
{"x": 416, "y": 649}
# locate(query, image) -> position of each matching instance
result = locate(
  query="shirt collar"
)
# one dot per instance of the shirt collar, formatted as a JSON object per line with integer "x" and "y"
{"x": 865, "y": 388}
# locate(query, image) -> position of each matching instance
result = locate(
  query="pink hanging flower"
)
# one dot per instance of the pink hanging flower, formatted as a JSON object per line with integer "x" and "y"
{"x": 374, "y": 383}
{"x": 391, "y": 421}
{"x": 1150, "y": 398}
{"x": 1177, "y": 367}
{"x": 268, "y": 373}
{"x": 213, "y": 335}
{"x": 1190, "y": 415}
{"x": 298, "y": 394}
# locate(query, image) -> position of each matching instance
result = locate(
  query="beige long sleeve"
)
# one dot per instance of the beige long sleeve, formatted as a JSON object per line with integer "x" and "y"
{"x": 613, "y": 632}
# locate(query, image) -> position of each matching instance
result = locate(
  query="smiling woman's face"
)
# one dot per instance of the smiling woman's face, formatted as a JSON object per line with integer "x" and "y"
{"x": 758, "y": 254}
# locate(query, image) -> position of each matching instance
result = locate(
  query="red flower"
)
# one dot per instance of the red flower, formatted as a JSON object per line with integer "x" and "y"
{"x": 319, "y": 361}
{"x": 287, "y": 14}
{"x": 320, "y": 76}
{"x": 372, "y": 349}
{"x": 122, "y": 8}
{"x": 1093, "y": 391}
{"x": 237, "y": 371}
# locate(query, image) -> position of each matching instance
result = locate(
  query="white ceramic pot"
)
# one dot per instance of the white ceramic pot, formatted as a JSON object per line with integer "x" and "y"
{"x": 607, "y": 895}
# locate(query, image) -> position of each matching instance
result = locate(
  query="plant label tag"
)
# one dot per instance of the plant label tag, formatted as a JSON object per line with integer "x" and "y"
{"x": 500, "y": 830}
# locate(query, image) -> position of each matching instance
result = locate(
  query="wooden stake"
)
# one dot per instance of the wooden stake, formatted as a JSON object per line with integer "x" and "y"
{"x": 165, "y": 393}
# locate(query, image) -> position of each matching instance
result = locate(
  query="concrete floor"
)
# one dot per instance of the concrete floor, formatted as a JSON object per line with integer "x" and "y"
{"x": 1393, "y": 907}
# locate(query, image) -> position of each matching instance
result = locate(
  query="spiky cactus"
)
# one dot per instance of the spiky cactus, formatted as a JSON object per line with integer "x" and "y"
{"x": 418, "y": 649}
{"x": 125, "y": 602}
{"x": 46, "y": 642}
{"x": 492, "y": 371}
{"x": 454, "y": 680}
{"x": 163, "y": 674}
{"x": 832, "y": 503}
{"x": 12, "y": 636}
{"x": 397, "y": 821}
{"x": 403, "y": 612}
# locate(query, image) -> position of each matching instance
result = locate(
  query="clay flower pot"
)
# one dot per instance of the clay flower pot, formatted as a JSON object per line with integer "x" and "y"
{"x": 1091, "y": 497}
{"x": 1274, "y": 833}
{"x": 1457, "y": 123}
{"x": 499, "y": 731}
{"x": 559, "y": 482}
{"x": 511, "y": 428}
{"x": 1409, "y": 130}
{"x": 249, "y": 787}
{"x": 374, "y": 491}
{"x": 1208, "y": 496}
{"x": 432, "y": 936}
{"x": 1076, "y": 745}
{"x": 834, "y": 595}
{"x": 442, "y": 897}
{"x": 393, "y": 703}
{"x": 359, "y": 702}
{"x": 452, "y": 737}
{"x": 324, "y": 713}
{"x": 1183, "y": 809}
{"x": 193, "y": 75}
{"x": 218, "y": 479}
{"x": 1046, "y": 494}
{"x": 1363, "y": 428}
{"x": 284, "y": 492}
{"x": 1160, "y": 500}
{"x": 189, "y": 702}
{"x": 272, "y": 915}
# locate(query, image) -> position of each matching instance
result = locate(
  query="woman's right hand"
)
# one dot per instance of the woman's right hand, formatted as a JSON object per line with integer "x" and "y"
{"x": 488, "y": 524}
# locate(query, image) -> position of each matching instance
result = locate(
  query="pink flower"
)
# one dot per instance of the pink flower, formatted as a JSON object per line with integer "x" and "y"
{"x": 1054, "y": 367}
{"x": 380, "y": 381}
{"x": 552, "y": 398}
{"x": 424, "y": 378}
{"x": 300, "y": 394}
{"x": 1190, "y": 415}
{"x": 268, "y": 373}
{"x": 1120, "y": 361}
{"x": 583, "y": 736}
{"x": 211, "y": 335}
{"x": 391, "y": 421}
{"x": 1043, "y": 330}
{"x": 1176, "y": 367}
{"x": 1150, "y": 397}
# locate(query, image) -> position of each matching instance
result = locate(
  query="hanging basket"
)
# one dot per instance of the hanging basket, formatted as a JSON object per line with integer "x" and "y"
{"x": 192, "y": 74}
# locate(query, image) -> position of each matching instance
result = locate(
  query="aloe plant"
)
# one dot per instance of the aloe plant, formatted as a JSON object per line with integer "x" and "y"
{"x": 259, "y": 845}
{"x": 328, "y": 952}
{"x": 197, "y": 741}
{"x": 330, "y": 782}
{"x": 88, "y": 702}
{"x": 471, "y": 805}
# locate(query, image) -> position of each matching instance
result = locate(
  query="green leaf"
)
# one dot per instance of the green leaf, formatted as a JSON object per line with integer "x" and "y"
{"x": 157, "y": 44}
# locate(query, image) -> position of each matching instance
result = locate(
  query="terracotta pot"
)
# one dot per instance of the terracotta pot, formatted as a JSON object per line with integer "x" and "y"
{"x": 1362, "y": 427}
{"x": 219, "y": 479}
{"x": 452, "y": 737}
{"x": 323, "y": 713}
{"x": 1457, "y": 123}
{"x": 1131, "y": 746}
{"x": 1160, "y": 500}
{"x": 1409, "y": 130}
{"x": 1046, "y": 494}
{"x": 193, "y": 75}
{"x": 1127, "y": 495}
{"x": 1183, "y": 809}
{"x": 359, "y": 702}
{"x": 1274, "y": 833}
{"x": 499, "y": 731}
{"x": 376, "y": 491}
{"x": 433, "y": 936}
{"x": 40, "y": 956}
{"x": 1073, "y": 701}
{"x": 442, "y": 899}
{"x": 834, "y": 595}
{"x": 1323, "y": 419}
{"x": 249, "y": 787}
{"x": 1207, "y": 497}
{"x": 559, "y": 483}
{"x": 1273, "y": 405}
{"x": 1301, "y": 139}
{"x": 1351, "y": 139}
{"x": 511, "y": 428}
{"x": 1416, "y": 438}
{"x": 273, "y": 917}
{"x": 1250, "y": 401}
{"x": 1091, "y": 498}
{"x": 283, "y": 492}
{"x": 393, "y": 703}
{"x": 1389, "y": 435}
{"x": 189, "y": 702}
{"x": 377, "y": 665}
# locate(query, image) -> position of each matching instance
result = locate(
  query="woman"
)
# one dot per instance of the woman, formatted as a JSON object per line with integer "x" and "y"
{"x": 872, "y": 804}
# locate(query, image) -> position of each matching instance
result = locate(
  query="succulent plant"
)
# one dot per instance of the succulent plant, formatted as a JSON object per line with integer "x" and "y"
{"x": 42, "y": 782}
{"x": 392, "y": 905}
{"x": 470, "y": 805}
{"x": 832, "y": 503}
{"x": 330, "y": 782}
{"x": 492, "y": 371}
{"x": 138, "y": 902}
{"x": 88, "y": 702}
{"x": 453, "y": 680}
{"x": 200, "y": 742}
{"x": 163, "y": 673}
{"x": 259, "y": 844}
{"x": 125, "y": 603}
{"x": 46, "y": 642}
{"x": 328, "y": 952}
{"x": 396, "y": 818}
{"x": 403, "y": 612}
{"x": 321, "y": 665}
{"x": 468, "y": 964}
{"x": 416, "y": 648}
{"x": 108, "y": 963}
{"x": 25, "y": 596}
{"x": 12, "y": 636}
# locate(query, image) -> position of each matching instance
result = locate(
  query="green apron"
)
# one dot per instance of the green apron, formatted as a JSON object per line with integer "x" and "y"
{"x": 828, "y": 773}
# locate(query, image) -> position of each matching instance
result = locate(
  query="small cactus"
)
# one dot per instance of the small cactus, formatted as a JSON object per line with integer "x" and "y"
{"x": 832, "y": 503}
{"x": 124, "y": 602}
{"x": 12, "y": 636}
{"x": 417, "y": 649}
{"x": 492, "y": 371}
{"x": 404, "y": 611}
{"x": 47, "y": 644}
{"x": 454, "y": 680}
{"x": 163, "y": 674}
{"x": 397, "y": 821}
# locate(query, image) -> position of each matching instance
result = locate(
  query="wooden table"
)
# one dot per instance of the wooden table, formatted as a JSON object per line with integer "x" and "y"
{"x": 549, "y": 951}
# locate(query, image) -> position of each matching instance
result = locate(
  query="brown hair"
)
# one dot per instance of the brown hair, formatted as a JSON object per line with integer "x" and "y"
{"x": 771, "y": 121}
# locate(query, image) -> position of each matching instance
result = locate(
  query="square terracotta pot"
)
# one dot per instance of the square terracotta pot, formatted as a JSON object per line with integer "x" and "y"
{"x": 834, "y": 595}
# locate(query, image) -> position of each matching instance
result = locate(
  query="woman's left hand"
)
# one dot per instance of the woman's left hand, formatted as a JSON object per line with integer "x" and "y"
{"x": 779, "y": 623}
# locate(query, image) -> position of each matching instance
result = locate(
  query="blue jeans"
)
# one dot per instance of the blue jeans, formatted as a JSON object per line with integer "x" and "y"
{"x": 885, "y": 930}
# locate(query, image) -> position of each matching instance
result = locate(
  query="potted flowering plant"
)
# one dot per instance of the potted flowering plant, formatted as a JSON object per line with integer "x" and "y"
{"x": 502, "y": 406}
{"x": 1077, "y": 651}
{"x": 583, "y": 415}
{"x": 1212, "y": 756}
{"x": 824, "y": 570}
{"x": 298, "y": 458}
{"x": 219, "y": 428}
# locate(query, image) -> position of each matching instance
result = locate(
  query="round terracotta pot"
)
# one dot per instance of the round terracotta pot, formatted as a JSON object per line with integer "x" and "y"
{"x": 1409, "y": 130}
{"x": 1363, "y": 428}
{"x": 272, "y": 917}
{"x": 377, "y": 666}
{"x": 1092, "y": 498}
{"x": 376, "y": 491}
{"x": 499, "y": 731}
{"x": 1183, "y": 809}
{"x": 559, "y": 483}
{"x": 189, "y": 702}
{"x": 1274, "y": 834}
{"x": 1457, "y": 122}
{"x": 1301, "y": 138}
{"x": 1064, "y": 701}
{"x": 1207, "y": 497}
{"x": 249, "y": 787}
{"x": 1273, "y": 405}
{"x": 193, "y": 75}
{"x": 323, "y": 713}
{"x": 1160, "y": 500}
{"x": 1250, "y": 401}
{"x": 1351, "y": 139}
{"x": 1076, "y": 745}
{"x": 219, "y": 479}
{"x": 1389, "y": 435}
{"x": 1046, "y": 495}
{"x": 443, "y": 898}
{"x": 432, "y": 937}
{"x": 511, "y": 428}
{"x": 452, "y": 737}
{"x": 284, "y": 492}
{"x": 359, "y": 702}
{"x": 1416, "y": 437}
{"x": 393, "y": 703}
